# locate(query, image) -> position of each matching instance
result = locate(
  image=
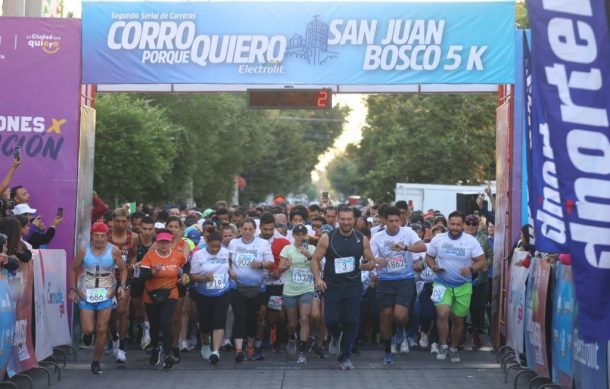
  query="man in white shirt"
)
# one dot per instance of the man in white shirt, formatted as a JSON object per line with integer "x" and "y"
{"x": 454, "y": 256}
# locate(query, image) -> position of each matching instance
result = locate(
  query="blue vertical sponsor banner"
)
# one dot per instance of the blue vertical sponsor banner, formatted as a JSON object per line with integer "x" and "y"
{"x": 350, "y": 43}
{"x": 564, "y": 317}
{"x": 543, "y": 197}
{"x": 571, "y": 60}
{"x": 590, "y": 363}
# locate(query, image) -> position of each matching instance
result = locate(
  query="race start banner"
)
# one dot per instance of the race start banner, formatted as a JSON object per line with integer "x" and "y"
{"x": 39, "y": 107}
{"x": 292, "y": 43}
{"x": 571, "y": 63}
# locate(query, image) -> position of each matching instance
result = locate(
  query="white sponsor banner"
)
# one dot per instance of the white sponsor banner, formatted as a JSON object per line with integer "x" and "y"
{"x": 50, "y": 298}
{"x": 516, "y": 303}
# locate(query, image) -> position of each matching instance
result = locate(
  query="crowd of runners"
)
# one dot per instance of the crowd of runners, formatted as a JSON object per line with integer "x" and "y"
{"x": 315, "y": 282}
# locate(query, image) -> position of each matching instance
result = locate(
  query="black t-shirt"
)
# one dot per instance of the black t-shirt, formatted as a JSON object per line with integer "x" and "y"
{"x": 340, "y": 246}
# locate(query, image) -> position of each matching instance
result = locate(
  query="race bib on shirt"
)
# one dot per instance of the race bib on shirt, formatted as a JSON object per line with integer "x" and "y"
{"x": 396, "y": 264}
{"x": 96, "y": 295}
{"x": 438, "y": 292}
{"x": 345, "y": 265}
{"x": 302, "y": 276}
{"x": 244, "y": 259}
{"x": 276, "y": 303}
{"x": 219, "y": 282}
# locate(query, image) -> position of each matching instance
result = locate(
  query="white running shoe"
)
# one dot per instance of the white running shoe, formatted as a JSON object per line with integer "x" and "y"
{"x": 185, "y": 346}
{"x": 434, "y": 348}
{"x": 454, "y": 355}
{"x": 394, "y": 348}
{"x": 442, "y": 353}
{"x": 301, "y": 358}
{"x": 404, "y": 347}
{"x": 412, "y": 342}
{"x": 121, "y": 357}
{"x": 334, "y": 347}
{"x": 206, "y": 351}
{"x": 423, "y": 340}
{"x": 115, "y": 348}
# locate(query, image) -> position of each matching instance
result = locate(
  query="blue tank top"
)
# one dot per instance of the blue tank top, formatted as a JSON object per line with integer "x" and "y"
{"x": 340, "y": 246}
{"x": 104, "y": 261}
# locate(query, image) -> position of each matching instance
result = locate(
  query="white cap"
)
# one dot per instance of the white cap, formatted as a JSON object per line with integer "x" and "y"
{"x": 159, "y": 225}
{"x": 20, "y": 209}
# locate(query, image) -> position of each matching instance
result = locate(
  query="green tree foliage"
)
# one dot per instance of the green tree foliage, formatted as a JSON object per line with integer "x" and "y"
{"x": 445, "y": 139}
{"x": 216, "y": 138}
{"x": 342, "y": 172}
{"x": 134, "y": 148}
{"x": 521, "y": 18}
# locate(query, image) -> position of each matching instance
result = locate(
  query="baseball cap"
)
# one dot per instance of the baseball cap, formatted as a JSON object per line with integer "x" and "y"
{"x": 207, "y": 212}
{"x": 194, "y": 235}
{"x": 159, "y": 225}
{"x": 299, "y": 229}
{"x": 472, "y": 219}
{"x": 326, "y": 228}
{"x": 21, "y": 209}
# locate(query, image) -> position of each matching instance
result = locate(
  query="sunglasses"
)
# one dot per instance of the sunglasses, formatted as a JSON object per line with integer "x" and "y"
{"x": 472, "y": 224}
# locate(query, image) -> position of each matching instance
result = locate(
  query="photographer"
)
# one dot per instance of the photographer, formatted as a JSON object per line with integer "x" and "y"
{"x": 36, "y": 235}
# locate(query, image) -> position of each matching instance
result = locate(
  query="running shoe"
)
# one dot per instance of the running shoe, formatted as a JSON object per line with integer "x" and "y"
{"x": 301, "y": 358}
{"x": 388, "y": 359}
{"x": 176, "y": 355}
{"x": 258, "y": 354}
{"x": 239, "y": 356}
{"x": 206, "y": 351}
{"x": 412, "y": 343}
{"x": 169, "y": 361}
{"x": 155, "y": 356}
{"x": 423, "y": 340}
{"x": 121, "y": 357}
{"x": 185, "y": 347}
{"x": 346, "y": 364}
{"x": 394, "y": 348}
{"x": 334, "y": 347}
{"x": 454, "y": 355}
{"x": 96, "y": 368}
{"x": 214, "y": 358}
{"x": 145, "y": 342}
{"x": 292, "y": 347}
{"x": 442, "y": 353}
{"x": 404, "y": 346}
{"x": 319, "y": 351}
{"x": 434, "y": 348}
{"x": 115, "y": 345}
{"x": 227, "y": 345}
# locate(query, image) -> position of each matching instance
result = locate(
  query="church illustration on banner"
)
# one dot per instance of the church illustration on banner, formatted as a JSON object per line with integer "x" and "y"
{"x": 313, "y": 48}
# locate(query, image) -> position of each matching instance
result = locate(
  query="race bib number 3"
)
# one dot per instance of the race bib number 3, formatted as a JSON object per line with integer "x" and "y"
{"x": 244, "y": 259}
{"x": 219, "y": 282}
{"x": 276, "y": 303}
{"x": 345, "y": 265}
{"x": 438, "y": 292}
{"x": 302, "y": 276}
{"x": 396, "y": 264}
{"x": 96, "y": 295}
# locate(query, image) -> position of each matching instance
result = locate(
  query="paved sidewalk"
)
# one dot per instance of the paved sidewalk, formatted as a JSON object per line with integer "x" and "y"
{"x": 478, "y": 369}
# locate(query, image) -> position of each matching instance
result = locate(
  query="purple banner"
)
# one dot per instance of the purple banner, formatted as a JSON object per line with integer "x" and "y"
{"x": 40, "y": 74}
{"x": 571, "y": 58}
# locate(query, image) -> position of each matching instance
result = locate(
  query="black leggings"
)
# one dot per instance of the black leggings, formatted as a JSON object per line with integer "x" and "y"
{"x": 246, "y": 316}
{"x": 160, "y": 317}
{"x": 212, "y": 311}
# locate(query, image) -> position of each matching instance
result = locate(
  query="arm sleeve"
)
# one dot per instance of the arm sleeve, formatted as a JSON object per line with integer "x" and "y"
{"x": 489, "y": 215}
{"x": 145, "y": 268}
{"x": 99, "y": 209}
{"x": 37, "y": 239}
